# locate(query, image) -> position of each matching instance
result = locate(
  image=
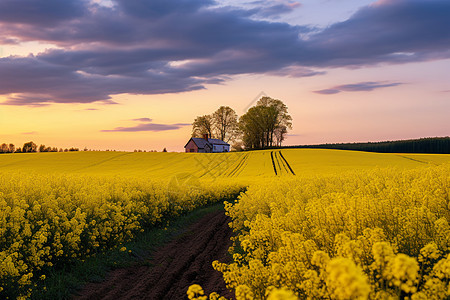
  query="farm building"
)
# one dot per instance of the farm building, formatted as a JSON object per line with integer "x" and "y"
{"x": 206, "y": 145}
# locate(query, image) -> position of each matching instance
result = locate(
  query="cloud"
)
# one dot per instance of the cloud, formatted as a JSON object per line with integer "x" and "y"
{"x": 147, "y": 125}
{"x": 142, "y": 120}
{"x": 41, "y": 12}
{"x": 328, "y": 91}
{"x": 157, "y": 46}
{"x": 274, "y": 8}
{"x": 30, "y": 132}
{"x": 394, "y": 31}
{"x": 357, "y": 87}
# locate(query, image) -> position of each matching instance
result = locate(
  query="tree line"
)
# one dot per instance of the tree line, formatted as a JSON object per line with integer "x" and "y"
{"x": 439, "y": 145}
{"x": 263, "y": 125}
{"x": 31, "y": 147}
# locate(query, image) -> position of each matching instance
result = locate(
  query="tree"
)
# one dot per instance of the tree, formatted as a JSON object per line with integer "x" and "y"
{"x": 164, "y": 150}
{"x": 280, "y": 132}
{"x": 4, "y": 148}
{"x": 12, "y": 148}
{"x": 265, "y": 122}
{"x": 42, "y": 148}
{"x": 202, "y": 125}
{"x": 225, "y": 123}
{"x": 29, "y": 147}
{"x": 252, "y": 128}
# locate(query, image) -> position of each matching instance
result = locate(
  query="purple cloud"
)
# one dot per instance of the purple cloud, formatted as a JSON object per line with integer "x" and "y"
{"x": 357, "y": 87}
{"x": 267, "y": 9}
{"x": 41, "y": 12}
{"x": 147, "y": 125}
{"x": 328, "y": 91}
{"x": 391, "y": 31}
{"x": 158, "y": 46}
{"x": 142, "y": 120}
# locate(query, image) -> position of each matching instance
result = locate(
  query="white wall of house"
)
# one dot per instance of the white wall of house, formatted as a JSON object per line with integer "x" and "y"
{"x": 221, "y": 148}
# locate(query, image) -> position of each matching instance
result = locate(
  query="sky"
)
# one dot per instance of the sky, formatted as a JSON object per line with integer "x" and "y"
{"x": 134, "y": 74}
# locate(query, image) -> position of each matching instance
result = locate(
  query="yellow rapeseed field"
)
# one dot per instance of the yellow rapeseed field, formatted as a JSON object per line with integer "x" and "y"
{"x": 313, "y": 223}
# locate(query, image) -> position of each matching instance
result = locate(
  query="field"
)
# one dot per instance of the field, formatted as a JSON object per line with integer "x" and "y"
{"x": 242, "y": 165}
{"x": 310, "y": 223}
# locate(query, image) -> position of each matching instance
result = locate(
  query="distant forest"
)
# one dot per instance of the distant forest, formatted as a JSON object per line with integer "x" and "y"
{"x": 424, "y": 145}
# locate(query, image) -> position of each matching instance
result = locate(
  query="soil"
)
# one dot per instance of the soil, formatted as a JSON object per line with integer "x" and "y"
{"x": 175, "y": 266}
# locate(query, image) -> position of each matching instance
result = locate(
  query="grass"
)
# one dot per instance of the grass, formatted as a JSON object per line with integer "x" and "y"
{"x": 64, "y": 282}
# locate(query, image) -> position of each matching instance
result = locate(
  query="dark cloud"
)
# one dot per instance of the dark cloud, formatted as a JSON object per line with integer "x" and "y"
{"x": 388, "y": 31}
{"x": 357, "y": 87}
{"x": 33, "y": 81}
{"x": 41, "y": 12}
{"x": 157, "y": 8}
{"x": 156, "y": 46}
{"x": 147, "y": 126}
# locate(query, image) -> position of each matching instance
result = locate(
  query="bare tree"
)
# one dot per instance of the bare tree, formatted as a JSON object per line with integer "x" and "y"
{"x": 225, "y": 123}
{"x": 202, "y": 125}
{"x": 280, "y": 133}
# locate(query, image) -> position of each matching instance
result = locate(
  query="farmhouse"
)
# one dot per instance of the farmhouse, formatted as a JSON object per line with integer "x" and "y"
{"x": 206, "y": 145}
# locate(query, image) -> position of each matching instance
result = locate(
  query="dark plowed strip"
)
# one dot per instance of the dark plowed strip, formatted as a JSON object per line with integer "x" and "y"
{"x": 186, "y": 260}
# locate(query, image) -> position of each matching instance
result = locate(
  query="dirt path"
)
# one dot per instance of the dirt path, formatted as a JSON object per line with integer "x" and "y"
{"x": 184, "y": 261}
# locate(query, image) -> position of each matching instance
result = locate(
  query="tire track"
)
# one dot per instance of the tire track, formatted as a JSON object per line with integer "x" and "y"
{"x": 103, "y": 161}
{"x": 282, "y": 162}
{"x": 209, "y": 169}
{"x": 239, "y": 166}
{"x": 292, "y": 171}
{"x": 273, "y": 163}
